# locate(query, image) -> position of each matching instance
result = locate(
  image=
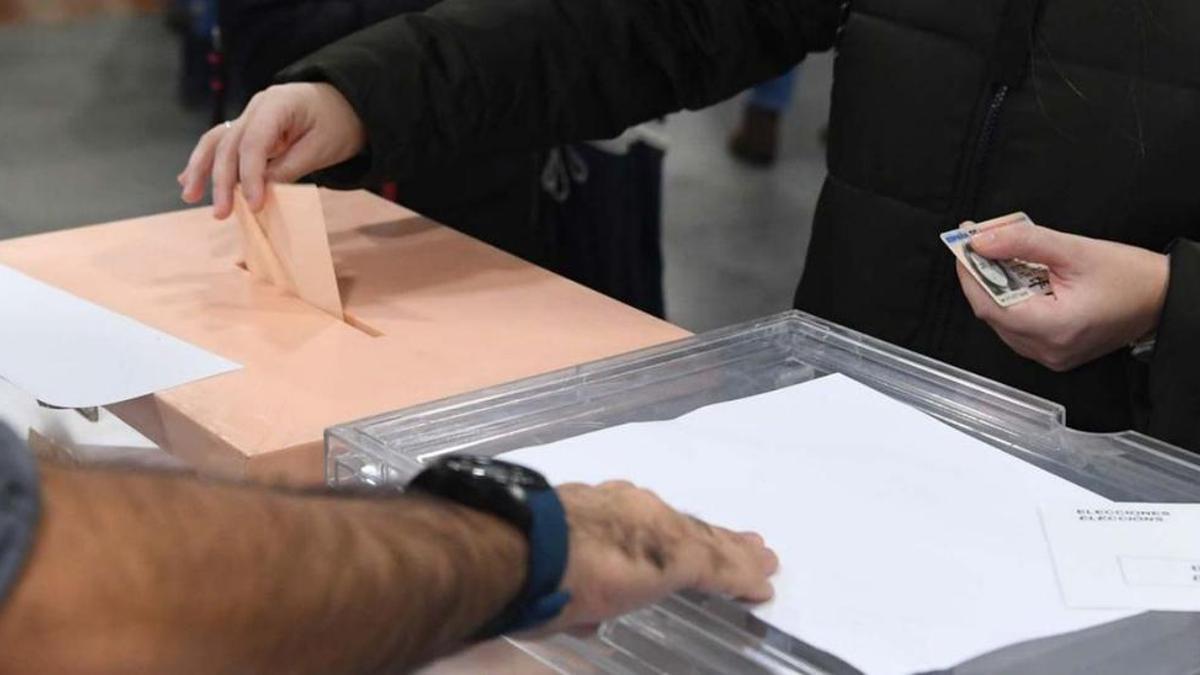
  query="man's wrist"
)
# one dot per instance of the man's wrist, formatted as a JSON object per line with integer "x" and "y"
{"x": 479, "y": 546}
{"x": 541, "y": 597}
{"x": 461, "y": 564}
{"x": 523, "y": 498}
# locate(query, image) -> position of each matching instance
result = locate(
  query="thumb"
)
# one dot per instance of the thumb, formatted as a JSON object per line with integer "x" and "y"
{"x": 1029, "y": 242}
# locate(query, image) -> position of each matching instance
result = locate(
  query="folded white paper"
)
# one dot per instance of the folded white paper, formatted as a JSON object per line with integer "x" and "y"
{"x": 71, "y": 353}
{"x": 905, "y": 545}
{"x": 1136, "y": 556}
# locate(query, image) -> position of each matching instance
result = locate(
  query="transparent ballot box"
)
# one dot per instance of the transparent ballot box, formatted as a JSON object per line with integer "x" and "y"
{"x": 691, "y": 633}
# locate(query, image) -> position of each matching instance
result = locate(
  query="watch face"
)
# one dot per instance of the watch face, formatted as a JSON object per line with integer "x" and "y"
{"x": 497, "y": 470}
{"x": 498, "y": 487}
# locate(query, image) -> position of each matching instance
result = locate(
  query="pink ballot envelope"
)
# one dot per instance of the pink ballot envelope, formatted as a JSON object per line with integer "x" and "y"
{"x": 287, "y": 244}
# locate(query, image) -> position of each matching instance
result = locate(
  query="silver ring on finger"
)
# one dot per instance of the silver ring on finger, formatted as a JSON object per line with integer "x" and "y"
{"x": 228, "y": 124}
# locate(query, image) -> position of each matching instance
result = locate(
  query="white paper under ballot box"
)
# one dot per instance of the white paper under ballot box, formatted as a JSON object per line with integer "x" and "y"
{"x": 691, "y": 633}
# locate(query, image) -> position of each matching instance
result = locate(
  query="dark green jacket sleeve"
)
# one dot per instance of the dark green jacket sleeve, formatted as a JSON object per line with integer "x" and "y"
{"x": 481, "y": 76}
{"x": 1175, "y": 369}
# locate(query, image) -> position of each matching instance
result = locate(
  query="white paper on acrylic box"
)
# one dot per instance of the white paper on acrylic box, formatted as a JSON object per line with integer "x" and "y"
{"x": 906, "y": 545}
{"x": 68, "y": 352}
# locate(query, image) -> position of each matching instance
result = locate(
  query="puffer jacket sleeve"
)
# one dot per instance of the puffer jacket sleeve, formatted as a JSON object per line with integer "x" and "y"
{"x": 1174, "y": 385}
{"x": 481, "y": 76}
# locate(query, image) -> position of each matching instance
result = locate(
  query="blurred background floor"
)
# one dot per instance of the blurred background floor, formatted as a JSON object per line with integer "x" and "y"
{"x": 93, "y": 131}
{"x": 92, "y": 127}
{"x": 734, "y": 237}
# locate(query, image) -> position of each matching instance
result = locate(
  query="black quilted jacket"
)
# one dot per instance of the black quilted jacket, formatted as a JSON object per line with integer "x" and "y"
{"x": 1084, "y": 114}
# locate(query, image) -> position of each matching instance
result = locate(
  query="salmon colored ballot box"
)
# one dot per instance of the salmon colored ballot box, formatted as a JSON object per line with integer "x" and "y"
{"x": 427, "y": 313}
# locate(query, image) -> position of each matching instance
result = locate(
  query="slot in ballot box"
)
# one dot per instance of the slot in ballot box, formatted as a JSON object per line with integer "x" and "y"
{"x": 699, "y": 634}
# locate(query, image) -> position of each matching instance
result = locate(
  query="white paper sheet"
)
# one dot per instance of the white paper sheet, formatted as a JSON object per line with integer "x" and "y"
{"x": 68, "y": 352}
{"x": 1136, "y": 556}
{"x": 106, "y": 440}
{"x": 905, "y": 544}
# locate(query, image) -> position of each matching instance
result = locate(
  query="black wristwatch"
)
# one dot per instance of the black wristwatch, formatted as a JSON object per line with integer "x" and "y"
{"x": 522, "y": 497}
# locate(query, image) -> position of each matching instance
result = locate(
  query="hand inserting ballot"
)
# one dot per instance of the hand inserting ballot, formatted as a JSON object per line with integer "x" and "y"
{"x": 286, "y": 132}
{"x": 1106, "y": 295}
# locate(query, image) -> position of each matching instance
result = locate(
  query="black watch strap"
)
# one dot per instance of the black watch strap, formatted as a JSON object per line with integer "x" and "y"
{"x": 523, "y": 498}
{"x": 540, "y": 598}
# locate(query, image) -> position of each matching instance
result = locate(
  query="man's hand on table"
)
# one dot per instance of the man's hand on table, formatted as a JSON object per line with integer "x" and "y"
{"x": 629, "y": 548}
{"x": 1106, "y": 295}
{"x": 202, "y": 576}
{"x": 286, "y": 132}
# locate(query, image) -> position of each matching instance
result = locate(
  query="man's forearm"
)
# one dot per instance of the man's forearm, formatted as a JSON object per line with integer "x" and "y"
{"x": 137, "y": 572}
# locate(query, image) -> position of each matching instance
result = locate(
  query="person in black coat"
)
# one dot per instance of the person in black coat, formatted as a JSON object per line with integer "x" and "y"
{"x": 601, "y": 227}
{"x": 1085, "y": 117}
{"x": 491, "y": 197}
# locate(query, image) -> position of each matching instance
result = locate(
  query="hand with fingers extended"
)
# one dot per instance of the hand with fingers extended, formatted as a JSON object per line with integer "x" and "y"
{"x": 628, "y": 548}
{"x": 286, "y": 132}
{"x": 1106, "y": 295}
